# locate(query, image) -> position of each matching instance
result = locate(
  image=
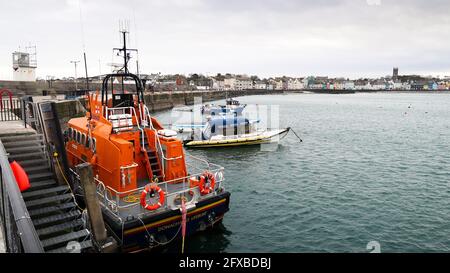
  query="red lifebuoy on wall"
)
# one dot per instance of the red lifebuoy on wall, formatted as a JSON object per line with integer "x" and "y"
{"x": 152, "y": 189}
{"x": 21, "y": 176}
{"x": 205, "y": 178}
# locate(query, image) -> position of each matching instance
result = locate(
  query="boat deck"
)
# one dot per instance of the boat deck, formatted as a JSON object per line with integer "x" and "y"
{"x": 245, "y": 139}
{"x": 130, "y": 207}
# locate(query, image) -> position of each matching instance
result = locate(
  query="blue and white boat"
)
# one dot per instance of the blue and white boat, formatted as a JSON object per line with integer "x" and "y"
{"x": 227, "y": 130}
{"x": 231, "y": 107}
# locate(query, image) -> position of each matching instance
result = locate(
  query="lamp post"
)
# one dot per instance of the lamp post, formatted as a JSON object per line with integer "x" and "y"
{"x": 76, "y": 80}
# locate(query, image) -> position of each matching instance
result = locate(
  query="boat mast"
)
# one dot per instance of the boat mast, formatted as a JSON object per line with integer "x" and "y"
{"x": 84, "y": 47}
{"x": 86, "y": 71}
{"x": 125, "y": 51}
{"x": 126, "y": 55}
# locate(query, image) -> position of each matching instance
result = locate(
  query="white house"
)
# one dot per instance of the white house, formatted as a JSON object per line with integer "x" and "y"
{"x": 295, "y": 84}
{"x": 406, "y": 86}
{"x": 378, "y": 85}
{"x": 397, "y": 85}
{"x": 218, "y": 84}
{"x": 278, "y": 84}
{"x": 243, "y": 83}
{"x": 237, "y": 83}
{"x": 229, "y": 83}
{"x": 349, "y": 85}
{"x": 339, "y": 85}
{"x": 259, "y": 85}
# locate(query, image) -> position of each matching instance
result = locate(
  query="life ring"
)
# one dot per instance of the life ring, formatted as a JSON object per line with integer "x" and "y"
{"x": 206, "y": 176}
{"x": 151, "y": 189}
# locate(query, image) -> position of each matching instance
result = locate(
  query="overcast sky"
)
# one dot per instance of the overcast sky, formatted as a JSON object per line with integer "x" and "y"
{"x": 349, "y": 38}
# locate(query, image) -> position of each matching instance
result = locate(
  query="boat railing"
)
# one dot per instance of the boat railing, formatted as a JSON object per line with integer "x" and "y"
{"x": 118, "y": 203}
{"x": 158, "y": 145}
{"x": 132, "y": 112}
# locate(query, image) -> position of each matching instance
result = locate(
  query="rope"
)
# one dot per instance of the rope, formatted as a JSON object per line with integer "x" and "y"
{"x": 182, "y": 246}
{"x": 295, "y": 134}
{"x": 159, "y": 243}
{"x": 55, "y": 155}
{"x": 132, "y": 198}
{"x": 183, "y": 223}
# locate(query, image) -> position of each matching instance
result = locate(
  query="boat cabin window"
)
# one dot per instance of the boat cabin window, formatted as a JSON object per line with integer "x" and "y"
{"x": 70, "y": 131}
{"x": 88, "y": 142}
{"x": 83, "y": 139}
{"x": 78, "y": 137}
{"x": 94, "y": 144}
{"x": 123, "y": 100}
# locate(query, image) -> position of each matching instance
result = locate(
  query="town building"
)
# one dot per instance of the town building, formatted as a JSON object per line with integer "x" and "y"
{"x": 295, "y": 84}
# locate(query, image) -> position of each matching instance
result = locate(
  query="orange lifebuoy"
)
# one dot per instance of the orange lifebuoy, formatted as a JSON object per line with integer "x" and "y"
{"x": 206, "y": 176}
{"x": 21, "y": 176}
{"x": 149, "y": 189}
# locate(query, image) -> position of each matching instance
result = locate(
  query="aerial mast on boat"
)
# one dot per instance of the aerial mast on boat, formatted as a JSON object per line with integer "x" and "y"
{"x": 124, "y": 50}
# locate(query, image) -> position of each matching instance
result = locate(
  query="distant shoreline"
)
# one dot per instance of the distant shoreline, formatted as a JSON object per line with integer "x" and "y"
{"x": 364, "y": 91}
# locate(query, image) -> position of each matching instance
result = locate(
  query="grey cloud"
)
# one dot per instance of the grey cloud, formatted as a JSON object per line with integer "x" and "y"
{"x": 347, "y": 37}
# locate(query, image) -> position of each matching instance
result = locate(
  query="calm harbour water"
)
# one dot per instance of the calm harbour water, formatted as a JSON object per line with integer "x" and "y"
{"x": 372, "y": 167}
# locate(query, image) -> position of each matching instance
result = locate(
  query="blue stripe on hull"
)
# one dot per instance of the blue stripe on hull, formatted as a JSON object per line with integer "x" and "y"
{"x": 151, "y": 237}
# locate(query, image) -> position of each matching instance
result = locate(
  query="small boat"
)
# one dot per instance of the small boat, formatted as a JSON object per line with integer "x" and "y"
{"x": 222, "y": 131}
{"x": 231, "y": 107}
{"x": 150, "y": 191}
{"x": 182, "y": 108}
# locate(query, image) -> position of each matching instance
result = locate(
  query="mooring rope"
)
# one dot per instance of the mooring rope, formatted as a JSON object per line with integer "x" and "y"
{"x": 295, "y": 134}
{"x": 55, "y": 155}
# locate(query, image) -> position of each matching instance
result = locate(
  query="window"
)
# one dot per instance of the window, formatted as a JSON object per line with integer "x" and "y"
{"x": 83, "y": 139}
{"x": 88, "y": 142}
{"x": 69, "y": 135}
{"x": 94, "y": 144}
{"x": 78, "y": 137}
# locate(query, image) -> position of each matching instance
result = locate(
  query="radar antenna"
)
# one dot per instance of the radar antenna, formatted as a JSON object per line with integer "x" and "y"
{"x": 124, "y": 51}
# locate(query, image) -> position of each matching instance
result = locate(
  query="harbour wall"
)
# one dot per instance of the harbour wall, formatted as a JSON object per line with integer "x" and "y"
{"x": 160, "y": 101}
{"x": 39, "y": 88}
{"x": 167, "y": 100}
